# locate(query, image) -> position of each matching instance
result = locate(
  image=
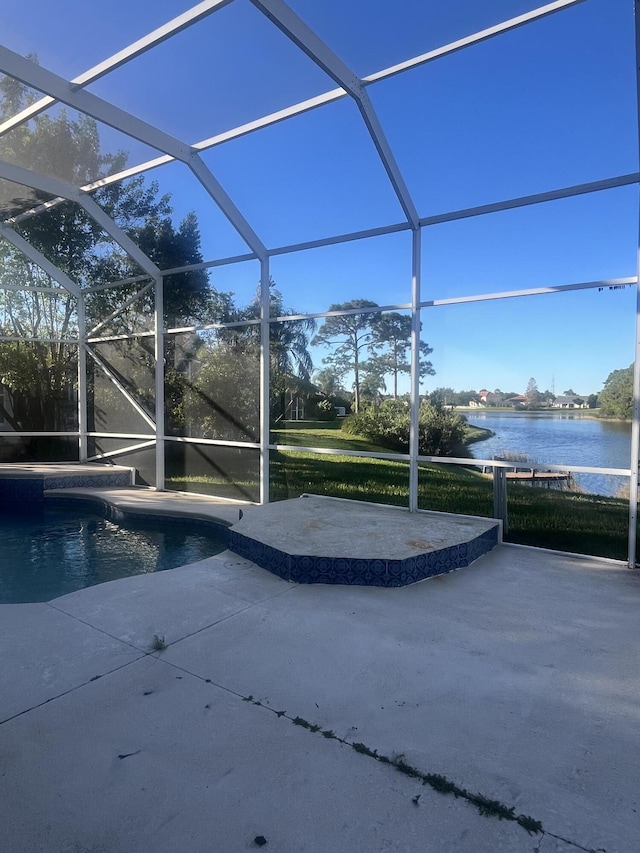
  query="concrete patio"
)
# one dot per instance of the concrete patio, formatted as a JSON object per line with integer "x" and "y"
{"x": 516, "y": 678}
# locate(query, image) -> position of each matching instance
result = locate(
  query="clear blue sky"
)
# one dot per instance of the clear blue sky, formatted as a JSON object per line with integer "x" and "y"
{"x": 548, "y": 105}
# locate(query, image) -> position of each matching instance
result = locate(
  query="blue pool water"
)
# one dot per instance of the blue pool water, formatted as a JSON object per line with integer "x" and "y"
{"x": 63, "y": 549}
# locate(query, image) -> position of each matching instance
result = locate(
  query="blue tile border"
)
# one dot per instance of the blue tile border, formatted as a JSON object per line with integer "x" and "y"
{"x": 88, "y": 481}
{"x": 28, "y": 489}
{"x": 352, "y": 571}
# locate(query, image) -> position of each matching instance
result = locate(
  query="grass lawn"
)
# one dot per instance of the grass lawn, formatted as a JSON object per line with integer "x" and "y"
{"x": 321, "y": 434}
{"x": 566, "y": 521}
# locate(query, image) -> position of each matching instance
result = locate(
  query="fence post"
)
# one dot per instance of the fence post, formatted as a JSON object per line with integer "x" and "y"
{"x": 500, "y": 497}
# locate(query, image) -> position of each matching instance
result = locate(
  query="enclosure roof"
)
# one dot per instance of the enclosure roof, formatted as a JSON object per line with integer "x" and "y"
{"x": 285, "y": 126}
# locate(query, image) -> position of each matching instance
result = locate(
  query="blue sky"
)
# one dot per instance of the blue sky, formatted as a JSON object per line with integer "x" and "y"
{"x": 549, "y": 105}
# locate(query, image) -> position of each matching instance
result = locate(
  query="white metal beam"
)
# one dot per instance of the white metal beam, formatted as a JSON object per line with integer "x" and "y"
{"x": 436, "y": 219}
{"x": 123, "y": 451}
{"x": 536, "y": 198}
{"x": 414, "y": 430}
{"x": 46, "y": 81}
{"x": 57, "y": 87}
{"x": 159, "y": 380}
{"x": 272, "y": 118}
{"x": 120, "y": 309}
{"x": 634, "y": 483}
{"x": 337, "y": 94}
{"x": 308, "y": 41}
{"x": 494, "y": 207}
{"x": 38, "y": 181}
{"x": 83, "y": 411}
{"x": 286, "y": 20}
{"x": 474, "y": 38}
{"x": 41, "y": 340}
{"x": 137, "y": 48}
{"x": 331, "y": 96}
{"x": 218, "y": 194}
{"x": 30, "y": 288}
{"x": 39, "y": 259}
{"x": 123, "y": 240}
{"x": 121, "y": 388}
{"x": 303, "y": 106}
{"x": 130, "y": 336}
{"x": 57, "y": 187}
{"x": 265, "y": 380}
{"x": 600, "y": 284}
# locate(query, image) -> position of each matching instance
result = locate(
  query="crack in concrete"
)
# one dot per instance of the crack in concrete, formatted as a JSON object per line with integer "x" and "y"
{"x": 396, "y": 762}
{"x": 70, "y": 690}
{"x": 575, "y": 843}
{"x": 141, "y": 651}
{"x": 148, "y": 651}
{"x": 361, "y": 748}
{"x": 483, "y": 804}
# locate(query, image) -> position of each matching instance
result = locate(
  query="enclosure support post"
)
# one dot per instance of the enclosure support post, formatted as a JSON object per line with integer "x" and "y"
{"x": 265, "y": 307}
{"x": 159, "y": 365}
{"x": 415, "y": 369}
{"x": 635, "y": 425}
{"x": 500, "y": 509}
{"x": 83, "y": 450}
{"x": 635, "y": 435}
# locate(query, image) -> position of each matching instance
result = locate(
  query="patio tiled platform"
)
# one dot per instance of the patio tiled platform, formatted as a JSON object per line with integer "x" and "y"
{"x": 326, "y": 540}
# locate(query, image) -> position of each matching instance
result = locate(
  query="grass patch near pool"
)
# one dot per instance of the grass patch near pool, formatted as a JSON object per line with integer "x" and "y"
{"x": 546, "y": 518}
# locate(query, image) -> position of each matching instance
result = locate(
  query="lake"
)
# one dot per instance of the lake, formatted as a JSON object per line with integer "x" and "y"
{"x": 560, "y": 438}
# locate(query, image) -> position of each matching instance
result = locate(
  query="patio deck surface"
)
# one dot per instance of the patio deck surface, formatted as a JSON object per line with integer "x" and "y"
{"x": 516, "y": 678}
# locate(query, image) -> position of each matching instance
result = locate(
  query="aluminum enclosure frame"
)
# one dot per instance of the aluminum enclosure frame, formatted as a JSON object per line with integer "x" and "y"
{"x": 72, "y": 92}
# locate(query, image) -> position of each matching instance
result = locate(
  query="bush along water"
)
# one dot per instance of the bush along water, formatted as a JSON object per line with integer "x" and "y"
{"x": 441, "y": 432}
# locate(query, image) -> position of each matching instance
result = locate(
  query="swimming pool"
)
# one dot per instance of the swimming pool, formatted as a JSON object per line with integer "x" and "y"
{"x": 63, "y": 548}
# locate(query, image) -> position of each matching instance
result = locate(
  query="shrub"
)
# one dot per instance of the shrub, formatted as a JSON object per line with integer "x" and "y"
{"x": 441, "y": 432}
{"x": 325, "y": 411}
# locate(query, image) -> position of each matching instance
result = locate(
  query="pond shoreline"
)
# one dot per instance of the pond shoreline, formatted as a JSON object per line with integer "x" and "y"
{"x": 567, "y": 438}
{"x": 475, "y": 434}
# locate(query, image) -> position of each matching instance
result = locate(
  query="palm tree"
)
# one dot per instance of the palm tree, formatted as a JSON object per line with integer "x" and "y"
{"x": 290, "y": 361}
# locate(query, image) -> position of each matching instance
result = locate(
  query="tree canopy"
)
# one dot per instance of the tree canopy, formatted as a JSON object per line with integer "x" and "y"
{"x": 38, "y": 373}
{"x": 351, "y": 335}
{"x": 616, "y": 397}
{"x": 392, "y": 344}
{"x": 532, "y": 393}
{"x": 372, "y": 345}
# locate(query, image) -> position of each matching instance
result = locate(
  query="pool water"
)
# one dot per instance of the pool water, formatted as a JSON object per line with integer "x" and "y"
{"x": 60, "y": 550}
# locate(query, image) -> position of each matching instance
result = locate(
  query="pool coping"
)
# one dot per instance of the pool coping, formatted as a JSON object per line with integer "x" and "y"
{"x": 118, "y": 512}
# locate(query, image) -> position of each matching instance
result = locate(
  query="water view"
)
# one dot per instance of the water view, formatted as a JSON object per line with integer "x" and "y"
{"x": 559, "y": 438}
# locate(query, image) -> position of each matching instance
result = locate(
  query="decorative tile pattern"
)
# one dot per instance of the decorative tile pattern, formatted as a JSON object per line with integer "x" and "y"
{"x": 30, "y": 488}
{"x": 360, "y": 572}
{"x": 88, "y": 481}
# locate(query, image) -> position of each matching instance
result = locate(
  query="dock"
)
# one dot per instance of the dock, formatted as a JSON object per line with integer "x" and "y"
{"x": 531, "y": 475}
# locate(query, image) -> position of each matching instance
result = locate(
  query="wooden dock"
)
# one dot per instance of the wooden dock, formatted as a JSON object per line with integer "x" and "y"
{"x": 532, "y": 476}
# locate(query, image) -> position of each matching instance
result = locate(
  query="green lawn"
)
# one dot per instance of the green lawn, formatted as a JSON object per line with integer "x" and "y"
{"x": 566, "y": 521}
{"x": 321, "y": 434}
{"x": 546, "y": 518}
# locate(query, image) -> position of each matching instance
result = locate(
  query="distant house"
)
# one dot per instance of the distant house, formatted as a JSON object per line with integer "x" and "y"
{"x": 517, "y": 401}
{"x": 570, "y": 402}
{"x": 488, "y": 398}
